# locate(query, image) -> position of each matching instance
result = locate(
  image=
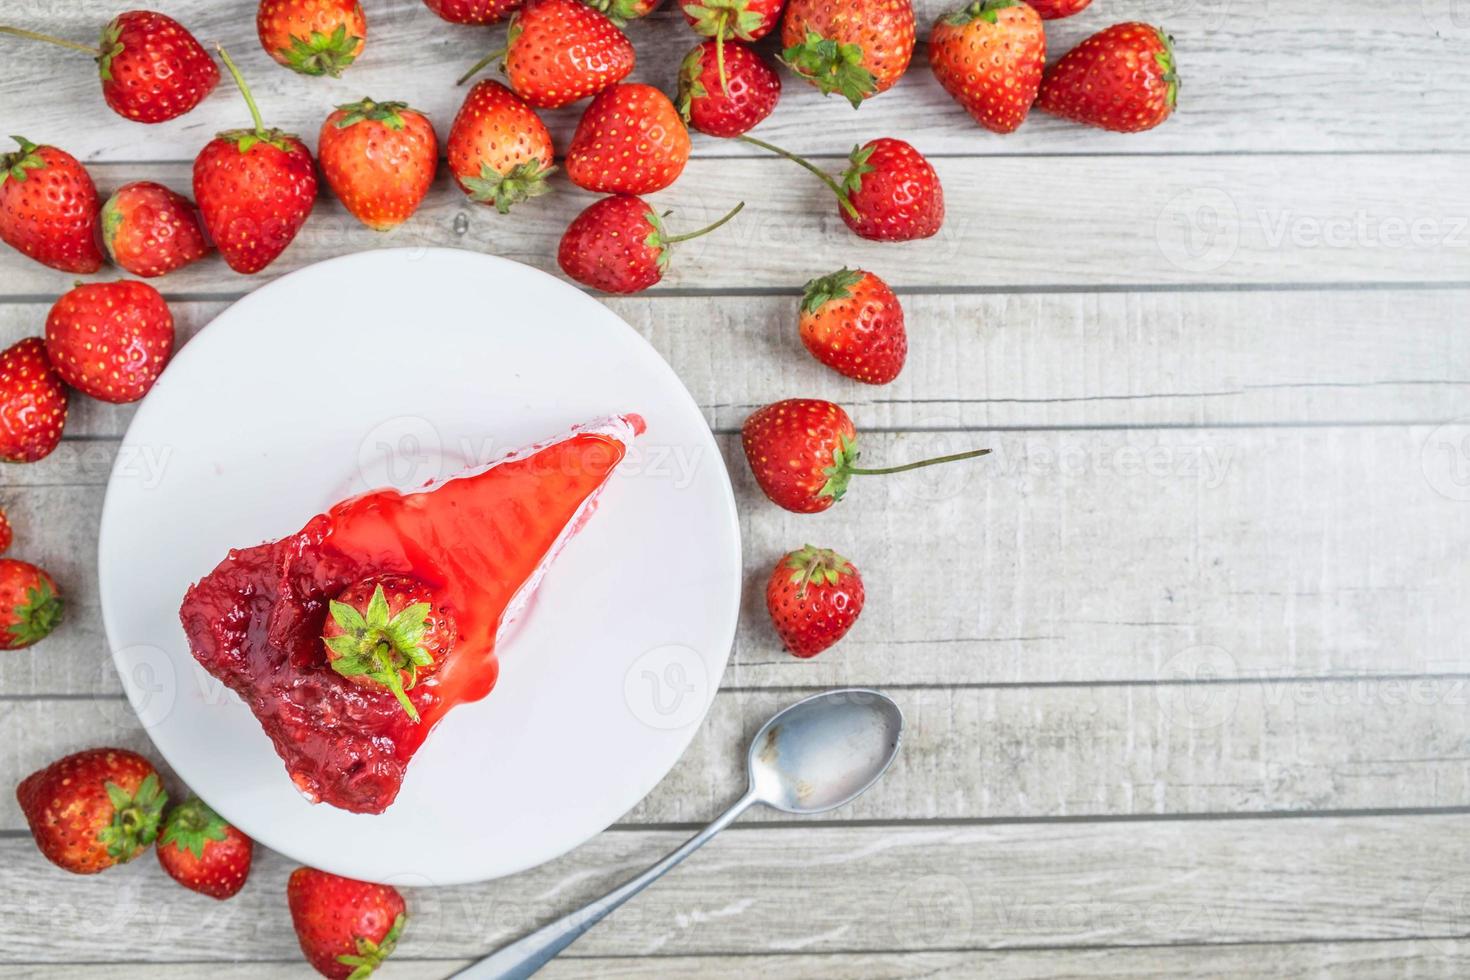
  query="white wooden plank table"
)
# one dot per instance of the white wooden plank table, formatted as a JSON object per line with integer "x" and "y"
{"x": 1188, "y": 677}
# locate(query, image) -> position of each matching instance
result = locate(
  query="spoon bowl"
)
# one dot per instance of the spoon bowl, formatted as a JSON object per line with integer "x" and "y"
{"x": 822, "y": 752}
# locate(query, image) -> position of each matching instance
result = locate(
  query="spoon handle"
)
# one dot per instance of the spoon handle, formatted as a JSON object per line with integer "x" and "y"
{"x": 527, "y": 955}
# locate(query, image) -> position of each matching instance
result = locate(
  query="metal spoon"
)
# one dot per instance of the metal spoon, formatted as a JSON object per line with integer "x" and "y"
{"x": 816, "y": 755}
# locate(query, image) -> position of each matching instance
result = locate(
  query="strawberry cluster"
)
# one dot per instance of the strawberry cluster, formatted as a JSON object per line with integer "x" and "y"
{"x": 256, "y": 187}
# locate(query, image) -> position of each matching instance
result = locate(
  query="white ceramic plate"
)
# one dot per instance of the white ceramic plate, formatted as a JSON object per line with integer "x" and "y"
{"x": 390, "y": 368}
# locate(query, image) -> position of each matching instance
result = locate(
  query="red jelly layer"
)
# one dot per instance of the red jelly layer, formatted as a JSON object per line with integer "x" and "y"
{"x": 256, "y": 621}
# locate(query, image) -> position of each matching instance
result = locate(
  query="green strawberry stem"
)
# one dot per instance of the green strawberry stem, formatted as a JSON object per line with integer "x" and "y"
{"x": 245, "y": 91}
{"x": 826, "y": 178}
{"x": 706, "y": 229}
{"x": 921, "y": 463}
{"x": 720, "y": 58}
{"x": 34, "y": 36}
{"x": 481, "y": 65}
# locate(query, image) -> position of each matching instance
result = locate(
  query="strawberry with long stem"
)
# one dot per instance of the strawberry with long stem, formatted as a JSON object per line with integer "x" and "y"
{"x": 151, "y": 68}
{"x": 804, "y": 451}
{"x": 619, "y": 244}
{"x": 255, "y": 187}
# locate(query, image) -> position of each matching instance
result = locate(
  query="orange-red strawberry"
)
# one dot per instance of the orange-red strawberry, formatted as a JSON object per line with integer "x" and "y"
{"x": 473, "y": 11}
{"x": 313, "y": 37}
{"x": 379, "y": 158}
{"x": 560, "y": 51}
{"x": 110, "y": 340}
{"x": 814, "y": 596}
{"x": 750, "y": 93}
{"x": 152, "y": 69}
{"x": 894, "y": 191}
{"x": 619, "y": 244}
{"x": 852, "y": 322}
{"x": 731, "y": 20}
{"x": 622, "y": 11}
{"x": 93, "y": 809}
{"x": 255, "y": 188}
{"x": 149, "y": 230}
{"x": 629, "y": 141}
{"x": 1122, "y": 78}
{"x": 856, "y": 48}
{"x": 346, "y": 927}
{"x": 48, "y": 208}
{"x": 202, "y": 852}
{"x": 1057, "y": 9}
{"x": 803, "y": 452}
{"x": 500, "y": 151}
{"x": 32, "y": 402}
{"x": 30, "y": 604}
{"x": 6, "y": 534}
{"x": 989, "y": 55}
{"x": 389, "y": 631}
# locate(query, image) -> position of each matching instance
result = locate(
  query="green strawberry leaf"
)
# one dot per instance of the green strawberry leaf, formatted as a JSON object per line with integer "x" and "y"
{"x": 819, "y": 292}
{"x": 832, "y": 67}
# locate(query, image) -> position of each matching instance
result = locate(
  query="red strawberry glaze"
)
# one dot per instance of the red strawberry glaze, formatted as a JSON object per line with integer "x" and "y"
{"x": 480, "y": 540}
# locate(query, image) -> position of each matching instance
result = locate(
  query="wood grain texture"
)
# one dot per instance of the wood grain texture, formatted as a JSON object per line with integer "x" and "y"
{"x": 1364, "y": 64}
{"x": 1002, "y": 753}
{"x": 1041, "y": 361}
{"x": 1103, "y": 221}
{"x": 812, "y": 889}
{"x": 1410, "y": 958}
{"x": 1291, "y": 551}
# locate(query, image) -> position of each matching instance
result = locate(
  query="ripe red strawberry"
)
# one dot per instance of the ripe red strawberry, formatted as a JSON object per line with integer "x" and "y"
{"x": 619, "y": 244}
{"x": 379, "y": 158}
{"x": 346, "y": 928}
{"x": 1122, "y": 78}
{"x": 313, "y": 37}
{"x": 629, "y": 141}
{"x": 255, "y": 188}
{"x": 559, "y": 51}
{"x": 48, "y": 208}
{"x": 814, "y": 596}
{"x": 895, "y": 192}
{"x": 803, "y": 452}
{"x": 989, "y": 56}
{"x": 388, "y": 632}
{"x": 110, "y": 340}
{"x": 202, "y": 852}
{"x": 152, "y": 69}
{"x": 1057, "y": 9}
{"x": 30, "y": 604}
{"x": 856, "y": 48}
{"x": 94, "y": 809}
{"x": 852, "y": 322}
{"x": 500, "y": 151}
{"x": 149, "y": 230}
{"x": 750, "y": 94}
{"x": 731, "y": 20}
{"x": 32, "y": 402}
{"x": 6, "y": 534}
{"x": 622, "y": 11}
{"x": 473, "y": 11}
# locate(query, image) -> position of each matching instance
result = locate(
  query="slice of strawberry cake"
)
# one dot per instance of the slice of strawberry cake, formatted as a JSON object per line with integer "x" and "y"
{"x": 351, "y": 638}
